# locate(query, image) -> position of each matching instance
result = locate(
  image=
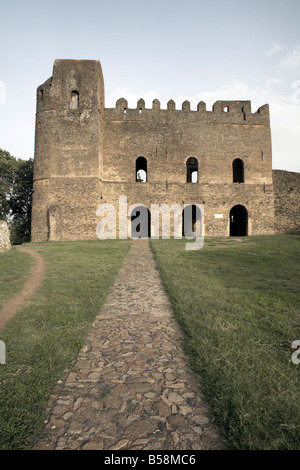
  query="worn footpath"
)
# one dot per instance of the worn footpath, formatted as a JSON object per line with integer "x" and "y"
{"x": 130, "y": 387}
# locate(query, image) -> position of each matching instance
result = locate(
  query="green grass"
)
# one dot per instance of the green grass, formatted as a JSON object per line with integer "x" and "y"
{"x": 14, "y": 269}
{"x": 238, "y": 304}
{"x": 44, "y": 338}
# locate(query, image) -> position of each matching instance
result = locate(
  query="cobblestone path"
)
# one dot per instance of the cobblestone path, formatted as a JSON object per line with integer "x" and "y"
{"x": 130, "y": 387}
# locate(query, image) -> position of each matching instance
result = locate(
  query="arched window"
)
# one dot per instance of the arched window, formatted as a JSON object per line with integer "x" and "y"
{"x": 74, "y": 100}
{"x": 238, "y": 170}
{"x": 141, "y": 170}
{"x": 192, "y": 170}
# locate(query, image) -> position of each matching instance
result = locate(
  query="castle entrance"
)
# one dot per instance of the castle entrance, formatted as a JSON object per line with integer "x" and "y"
{"x": 140, "y": 222}
{"x": 238, "y": 221}
{"x": 190, "y": 216}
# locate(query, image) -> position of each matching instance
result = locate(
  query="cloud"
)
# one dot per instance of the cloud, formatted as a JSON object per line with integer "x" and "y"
{"x": 273, "y": 81}
{"x": 291, "y": 61}
{"x": 232, "y": 91}
{"x": 274, "y": 49}
{"x": 285, "y": 124}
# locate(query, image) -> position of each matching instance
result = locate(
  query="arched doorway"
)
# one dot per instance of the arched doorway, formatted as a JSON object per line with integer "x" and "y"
{"x": 140, "y": 222}
{"x": 238, "y": 221}
{"x": 190, "y": 216}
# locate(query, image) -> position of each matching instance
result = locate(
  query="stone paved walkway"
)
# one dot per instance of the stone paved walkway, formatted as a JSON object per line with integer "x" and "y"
{"x": 130, "y": 387}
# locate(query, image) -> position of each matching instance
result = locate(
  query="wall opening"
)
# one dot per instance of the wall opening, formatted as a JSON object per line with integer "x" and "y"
{"x": 54, "y": 223}
{"x": 141, "y": 170}
{"x": 189, "y": 226}
{"x": 140, "y": 222}
{"x": 238, "y": 221}
{"x": 74, "y": 100}
{"x": 192, "y": 170}
{"x": 238, "y": 170}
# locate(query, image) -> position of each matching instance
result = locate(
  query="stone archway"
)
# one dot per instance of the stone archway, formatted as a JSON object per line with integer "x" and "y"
{"x": 238, "y": 218}
{"x": 191, "y": 214}
{"x": 140, "y": 222}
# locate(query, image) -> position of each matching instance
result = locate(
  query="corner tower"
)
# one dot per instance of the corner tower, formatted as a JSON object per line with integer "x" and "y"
{"x": 68, "y": 152}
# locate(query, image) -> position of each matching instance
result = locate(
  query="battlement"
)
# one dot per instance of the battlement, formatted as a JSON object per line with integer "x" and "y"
{"x": 225, "y": 112}
{"x": 79, "y": 85}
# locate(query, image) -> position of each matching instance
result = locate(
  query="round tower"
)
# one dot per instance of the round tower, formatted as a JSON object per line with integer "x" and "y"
{"x": 68, "y": 149}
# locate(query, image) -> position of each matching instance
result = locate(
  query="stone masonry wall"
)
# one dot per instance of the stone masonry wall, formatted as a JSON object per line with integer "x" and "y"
{"x": 167, "y": 138}
{"x": 4, "y": 237}
{"x": 286, "y": 201}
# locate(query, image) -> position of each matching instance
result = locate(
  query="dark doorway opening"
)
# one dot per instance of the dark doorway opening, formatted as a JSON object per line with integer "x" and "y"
{"x": 190, "y": 216}
{"x": 238, "y": 170}
{"x": 238, "y": 221}
{"x": 140, "y": 222}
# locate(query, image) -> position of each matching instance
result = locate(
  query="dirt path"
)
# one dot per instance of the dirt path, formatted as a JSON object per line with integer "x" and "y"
{"x": 32, "y": 284}
{"x": 131, "y": 387}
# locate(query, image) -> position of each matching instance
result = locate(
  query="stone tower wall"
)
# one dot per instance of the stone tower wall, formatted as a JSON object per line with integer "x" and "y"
{"x": 68, "y": 151}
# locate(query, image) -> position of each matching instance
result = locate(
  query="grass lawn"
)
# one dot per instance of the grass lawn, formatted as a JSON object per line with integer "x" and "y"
{"x": 238, "y": 304}
{"x": 44, "y": 338}
{"x": 14, "y": 268}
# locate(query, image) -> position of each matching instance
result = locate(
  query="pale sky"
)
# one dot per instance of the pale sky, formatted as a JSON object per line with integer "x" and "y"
{"x": 166, "y": 49}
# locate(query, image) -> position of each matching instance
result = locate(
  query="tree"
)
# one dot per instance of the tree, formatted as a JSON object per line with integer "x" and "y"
{"x": 7, "y": 168}
{"x": 16, "y": 181}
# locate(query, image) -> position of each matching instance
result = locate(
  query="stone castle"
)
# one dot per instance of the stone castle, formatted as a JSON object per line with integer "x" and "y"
{"x": 87, "y": 155}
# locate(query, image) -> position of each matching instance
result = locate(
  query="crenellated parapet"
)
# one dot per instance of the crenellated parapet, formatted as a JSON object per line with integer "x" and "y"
{"x": 223, "y": 112}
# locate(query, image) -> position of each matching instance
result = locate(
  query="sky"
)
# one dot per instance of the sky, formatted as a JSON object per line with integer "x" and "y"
{"x": 166, "y": 49}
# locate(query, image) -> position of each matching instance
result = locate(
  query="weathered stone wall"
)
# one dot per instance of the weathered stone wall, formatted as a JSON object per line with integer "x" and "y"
{"x": 286, "y": 201}
{"x": 85, "y": 155}
{"x": 68, "y": 151}
{"x": 167, "y": 138}
{"x": 4, "y": 237}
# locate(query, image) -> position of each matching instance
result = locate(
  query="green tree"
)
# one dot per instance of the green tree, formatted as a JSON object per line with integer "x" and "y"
{"x": 16, "y": 180}
{"x": 7, "y": 168}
